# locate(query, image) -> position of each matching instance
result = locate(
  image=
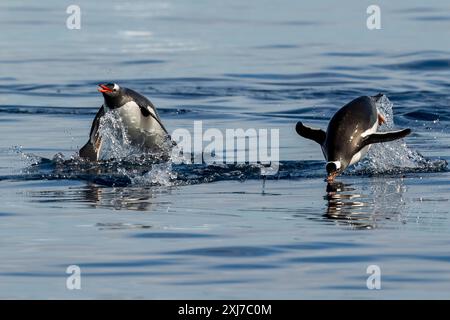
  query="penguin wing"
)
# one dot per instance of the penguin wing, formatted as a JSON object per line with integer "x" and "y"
{"x": 317, "y": 135}
{"x": 146, "y": 106}
{"x": 91, "y": 148}
{"x": 384, "y": 137}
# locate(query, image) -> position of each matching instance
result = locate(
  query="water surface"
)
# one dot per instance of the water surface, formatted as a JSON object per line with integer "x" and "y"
{"x": 224, "y": 232}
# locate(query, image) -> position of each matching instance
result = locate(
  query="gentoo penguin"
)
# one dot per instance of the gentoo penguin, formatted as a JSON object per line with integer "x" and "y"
{"x": 139, "y": 116}
{"x": 350, "y": 133}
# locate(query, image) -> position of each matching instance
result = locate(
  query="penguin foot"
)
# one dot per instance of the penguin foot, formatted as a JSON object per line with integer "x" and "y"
{"x": 381, "y": 119}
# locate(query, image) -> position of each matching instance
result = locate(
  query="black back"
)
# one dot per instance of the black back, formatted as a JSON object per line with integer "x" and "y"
{"x": 345, "y": 128}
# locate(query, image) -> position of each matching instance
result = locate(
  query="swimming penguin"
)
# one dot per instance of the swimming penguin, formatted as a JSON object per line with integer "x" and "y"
{"x": 139, "y": 116}
{"x": 350, "y": 133}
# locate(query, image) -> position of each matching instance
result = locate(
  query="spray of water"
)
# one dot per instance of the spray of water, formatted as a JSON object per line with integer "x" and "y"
{"x": 395, "y": 156}
{"x": 115, "y": 141}
{"x": 118, "y": 153}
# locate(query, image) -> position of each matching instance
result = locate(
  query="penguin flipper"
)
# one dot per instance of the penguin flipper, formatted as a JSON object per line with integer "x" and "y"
{"x": 385, "y": 136}
{"x": 146, "y": 106}
{"x": 91, "y": 149}
{"x": 317, "y": 135}
{"x": 147, "y": 110}
{"x": 89, "y": 152}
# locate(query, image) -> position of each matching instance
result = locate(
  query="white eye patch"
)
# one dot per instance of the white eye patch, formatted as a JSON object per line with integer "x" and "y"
{"x": 337, "y": 163}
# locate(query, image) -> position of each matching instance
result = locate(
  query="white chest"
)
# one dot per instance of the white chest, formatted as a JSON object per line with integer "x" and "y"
{"x": 141, "y": 130}
{"x": 361, "y": 153}
{"x": 131, "y": 115}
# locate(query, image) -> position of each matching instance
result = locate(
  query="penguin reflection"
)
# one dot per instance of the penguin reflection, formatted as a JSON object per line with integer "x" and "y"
{"x": 139, "y": 199}
{"x": 382, "y": 200}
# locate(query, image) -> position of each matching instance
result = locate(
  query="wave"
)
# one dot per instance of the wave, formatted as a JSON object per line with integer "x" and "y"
{"x": 329, "y": 88}
{"x": 421, "y": 65}
{"x": 46, "y": 110}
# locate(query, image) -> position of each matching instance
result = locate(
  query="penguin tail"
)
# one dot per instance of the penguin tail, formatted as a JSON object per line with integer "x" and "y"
{"x": 89, "y": 152}
{"x": 317, "y": 135}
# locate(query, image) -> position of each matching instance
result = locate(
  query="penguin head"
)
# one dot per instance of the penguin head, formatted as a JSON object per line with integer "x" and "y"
{"x": 334, "y": 168}
{"x": 109, "y": 89}
{"x": 113, "y": 94}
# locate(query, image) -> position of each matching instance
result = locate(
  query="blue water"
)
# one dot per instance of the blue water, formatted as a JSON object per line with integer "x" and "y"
{"x": 197, "y": 231}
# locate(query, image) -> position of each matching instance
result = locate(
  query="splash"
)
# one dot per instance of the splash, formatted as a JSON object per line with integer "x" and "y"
{"x": 115, "y": 141}
{"x": 122, "y": 161}
{"x": 159, "y": 174}
{"x": 394, "y": 157}
{"x": 120, "y": 164}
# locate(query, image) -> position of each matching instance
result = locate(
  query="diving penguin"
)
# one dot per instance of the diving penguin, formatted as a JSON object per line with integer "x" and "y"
{"x": 351, "y": 131}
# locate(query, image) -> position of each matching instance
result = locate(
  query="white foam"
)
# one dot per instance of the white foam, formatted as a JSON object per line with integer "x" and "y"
{"x": 394, "y": 155}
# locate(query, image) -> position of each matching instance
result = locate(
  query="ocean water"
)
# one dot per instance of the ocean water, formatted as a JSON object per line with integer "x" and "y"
{"x": 144, "y": 230}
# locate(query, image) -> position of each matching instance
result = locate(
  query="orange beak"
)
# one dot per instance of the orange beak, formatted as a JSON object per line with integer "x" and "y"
{"x": 331, "y": 177}
{"x": 102, "y": 88}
